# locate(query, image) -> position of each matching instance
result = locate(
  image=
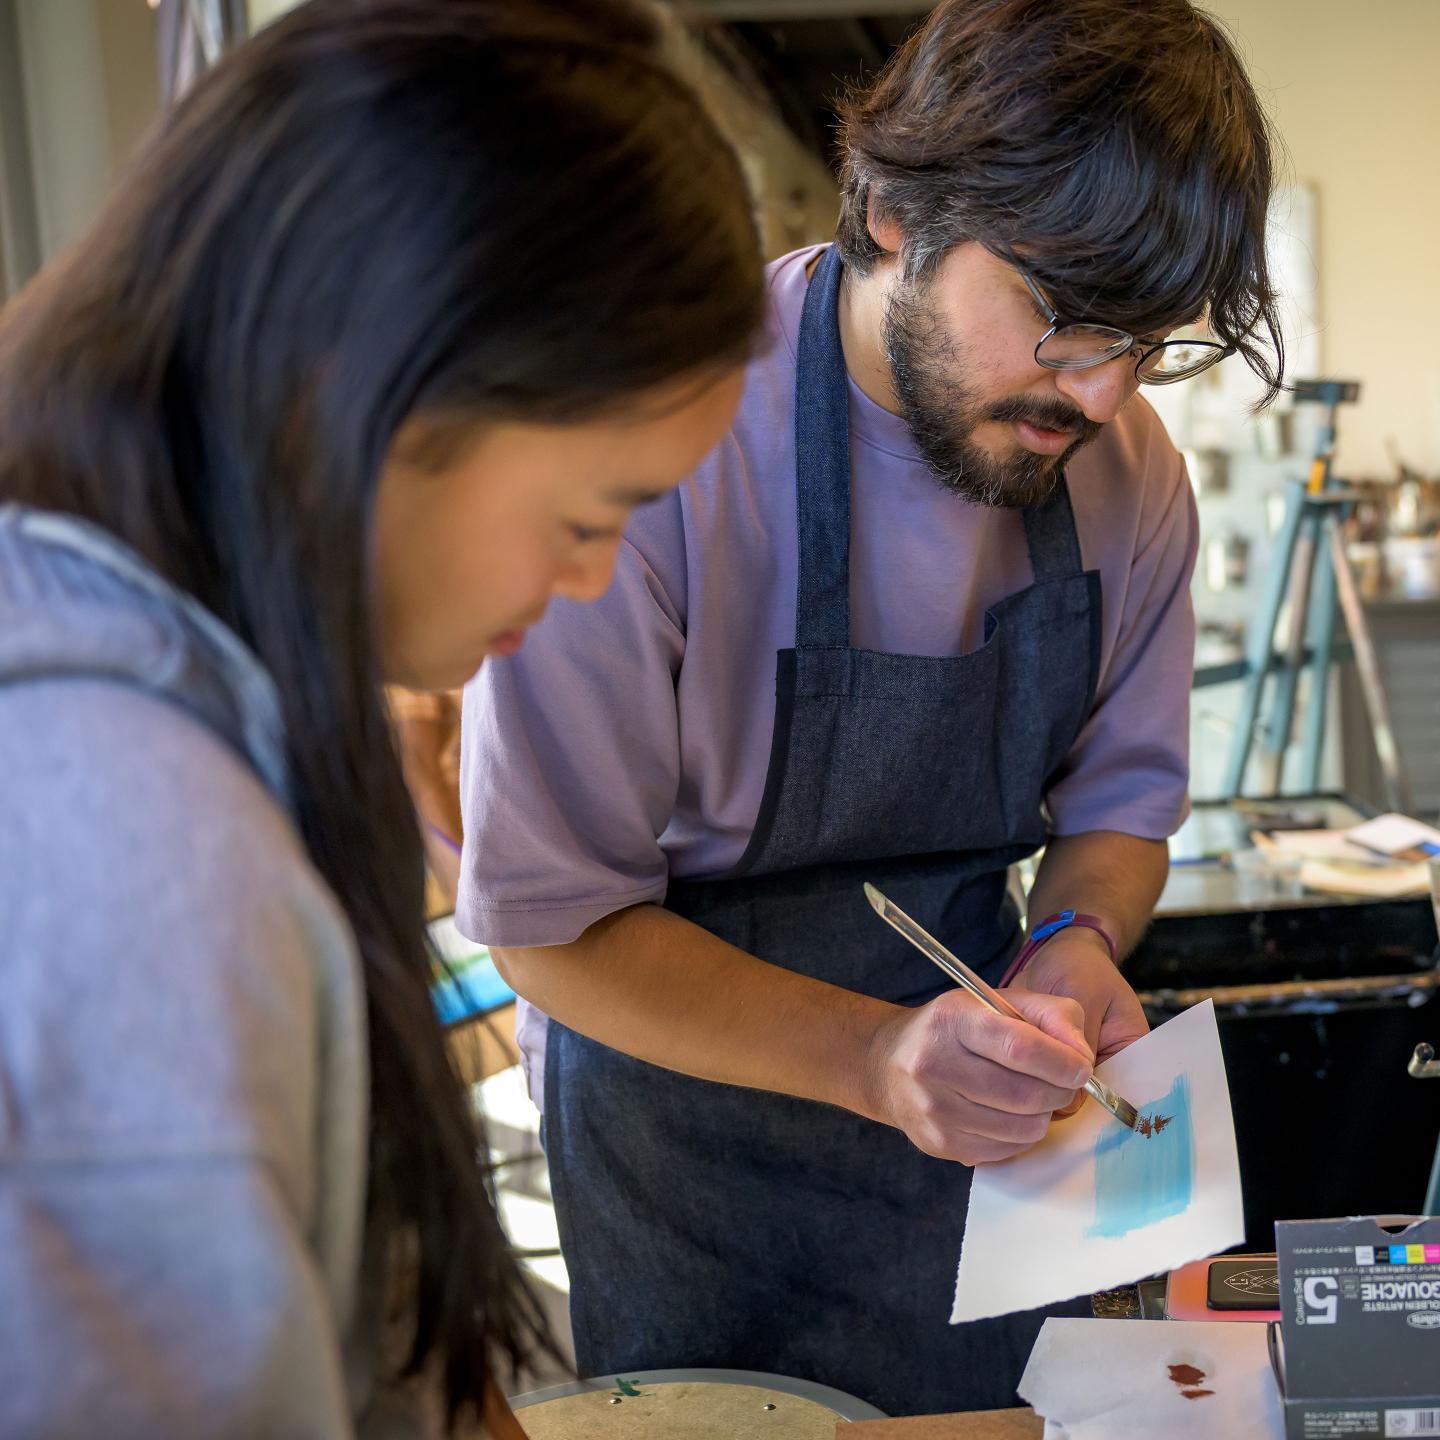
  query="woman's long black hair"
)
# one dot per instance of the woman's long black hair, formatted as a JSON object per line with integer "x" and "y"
{"x": 374, "y": 209}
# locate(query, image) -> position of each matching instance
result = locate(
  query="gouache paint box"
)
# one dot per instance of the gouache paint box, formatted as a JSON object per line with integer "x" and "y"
{"x": 1357, "y": 1349}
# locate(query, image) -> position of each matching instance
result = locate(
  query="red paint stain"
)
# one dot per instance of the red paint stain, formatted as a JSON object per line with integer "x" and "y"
{"x": 1188, "y": 1378}
{"x": 1149, "y": 1125}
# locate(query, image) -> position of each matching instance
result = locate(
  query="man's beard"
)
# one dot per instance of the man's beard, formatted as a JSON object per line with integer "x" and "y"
{"x": 943, "y": 412}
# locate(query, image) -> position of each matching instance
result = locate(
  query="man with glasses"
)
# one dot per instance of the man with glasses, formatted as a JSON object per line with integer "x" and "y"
{"x": 1079, "y": 345}
{"x": 923, "y": 612}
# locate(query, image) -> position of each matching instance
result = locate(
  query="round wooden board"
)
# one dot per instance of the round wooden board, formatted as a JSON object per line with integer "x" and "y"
{"x": 681, "y": 1410}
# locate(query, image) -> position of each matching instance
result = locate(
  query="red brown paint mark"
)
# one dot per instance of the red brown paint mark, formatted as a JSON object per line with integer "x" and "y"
{"x": 1149, "y": 1125}
{"x": 1188, "y": 1378}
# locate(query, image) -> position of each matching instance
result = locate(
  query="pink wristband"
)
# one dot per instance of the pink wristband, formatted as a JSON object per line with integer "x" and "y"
{"x": 1042, "y": 932}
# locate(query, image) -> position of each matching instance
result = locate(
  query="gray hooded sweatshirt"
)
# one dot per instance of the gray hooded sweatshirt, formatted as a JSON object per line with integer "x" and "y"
{"x": 182, "y": 1036}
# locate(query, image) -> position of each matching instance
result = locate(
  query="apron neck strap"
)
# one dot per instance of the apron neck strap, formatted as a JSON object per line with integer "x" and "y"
{"x": 822, "y": 464}
{"x": 1052, "y": 538}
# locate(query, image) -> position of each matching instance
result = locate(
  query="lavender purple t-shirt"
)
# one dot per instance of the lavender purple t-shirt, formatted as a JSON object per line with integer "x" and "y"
{"x": 629, "y": 740}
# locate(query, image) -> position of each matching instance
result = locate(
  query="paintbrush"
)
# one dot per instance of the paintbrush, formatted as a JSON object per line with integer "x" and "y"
{"x": 964, "y": 976}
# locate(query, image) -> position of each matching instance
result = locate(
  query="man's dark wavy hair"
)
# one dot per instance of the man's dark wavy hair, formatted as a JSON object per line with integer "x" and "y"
{"x": 1116, "y": 148}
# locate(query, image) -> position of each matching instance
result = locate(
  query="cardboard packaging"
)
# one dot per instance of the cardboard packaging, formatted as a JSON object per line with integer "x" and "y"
{"x": 1357, "y": 1350}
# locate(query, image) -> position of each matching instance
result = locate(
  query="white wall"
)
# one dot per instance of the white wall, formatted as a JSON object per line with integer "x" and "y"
{"x": 130, "y": 64}
{"x": 65, "y": 104}
{"x": 88, "y": 73}
{"x": 19, "y": 238}
{"x": 1353, "y": 90}
{"x": 262, "y": 12}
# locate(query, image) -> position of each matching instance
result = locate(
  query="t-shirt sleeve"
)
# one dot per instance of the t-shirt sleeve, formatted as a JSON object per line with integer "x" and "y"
{"x": 164, "y": 1010}
{"x": 570, "y": 759}
{"x": 1129, "y": 769}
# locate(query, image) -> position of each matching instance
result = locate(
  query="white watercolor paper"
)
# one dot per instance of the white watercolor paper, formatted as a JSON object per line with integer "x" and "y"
{"x": 1113, "y": 1380}
{"x": 1095, "y": 1205}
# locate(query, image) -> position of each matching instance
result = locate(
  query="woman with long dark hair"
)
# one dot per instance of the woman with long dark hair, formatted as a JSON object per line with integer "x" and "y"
{"x": 398, "y": 315}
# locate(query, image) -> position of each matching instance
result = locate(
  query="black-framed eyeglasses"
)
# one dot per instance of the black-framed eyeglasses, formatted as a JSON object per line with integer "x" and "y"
{"x": 1078, "y": 345}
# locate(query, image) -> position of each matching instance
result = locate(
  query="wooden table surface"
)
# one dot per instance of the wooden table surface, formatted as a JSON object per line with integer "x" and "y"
{"x": 976, "y": 1425}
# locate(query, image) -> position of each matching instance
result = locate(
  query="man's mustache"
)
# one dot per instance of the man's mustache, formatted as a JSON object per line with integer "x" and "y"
{"x": 1047, "y": 415}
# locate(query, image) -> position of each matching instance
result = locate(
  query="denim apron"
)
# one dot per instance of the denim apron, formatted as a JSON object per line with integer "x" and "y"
{"x": 711, "y": 1225}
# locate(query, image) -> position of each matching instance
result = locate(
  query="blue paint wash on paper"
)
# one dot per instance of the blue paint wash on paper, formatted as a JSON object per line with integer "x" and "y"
{"x": 1140, "y": 1179}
